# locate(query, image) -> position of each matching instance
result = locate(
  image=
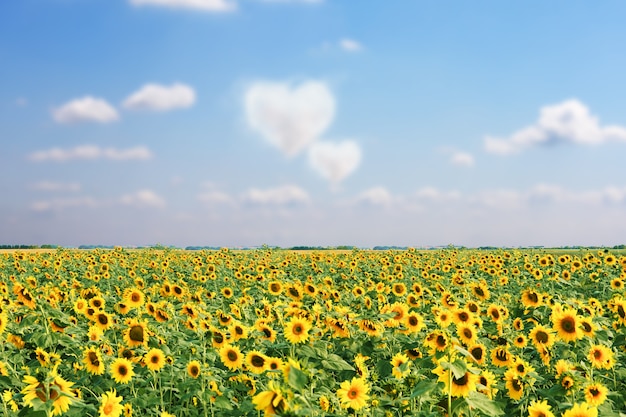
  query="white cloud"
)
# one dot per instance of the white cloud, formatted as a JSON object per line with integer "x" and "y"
{"x": 161, "y": 98}
{"x": 376, "y": 196}
{"x": 91, "y": 152}
{"x": 292, "y": 1}
{"x": 289, "y": 117}
{"x": 56, "y": 186}
{"x": 435, "y": 195}
{"x": 63, "y": 203}
{"x": 350, "y": 45}
{"x": 215, "y": 197}
{"x": 204, "y": 5}
{"x": 281, "y": 196}
{"x": 335, "y": 161}
{"x": 462, "y": 159}
{"x": 86, "y": 109}
{"x": 143, "y": 198}
{"x": 566, "y": 122}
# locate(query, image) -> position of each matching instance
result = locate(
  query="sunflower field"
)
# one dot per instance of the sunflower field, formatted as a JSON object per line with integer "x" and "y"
{"x": 267, "y": 332}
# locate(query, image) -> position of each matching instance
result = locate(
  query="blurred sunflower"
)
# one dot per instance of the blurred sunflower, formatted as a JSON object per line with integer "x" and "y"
{"x": 595, "y": 394}
{"x": 193, "y": 369}
{"x": 271, "y": 401}
{"x": 353, "y": 394}
{"x": 539, "y": 409}
{"x": 122, "y": 370}
{"x": 231, "y": 357}
{"x": 154, "y": 359}
{"x": 110, "y": 405}
{"x": 93, "y": 361}
{"x": 581, "y": 410}
{"x": 297, "y": 330}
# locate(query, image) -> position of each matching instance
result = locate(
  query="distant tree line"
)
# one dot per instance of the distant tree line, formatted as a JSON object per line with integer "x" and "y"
{"x": 28, "y": 246}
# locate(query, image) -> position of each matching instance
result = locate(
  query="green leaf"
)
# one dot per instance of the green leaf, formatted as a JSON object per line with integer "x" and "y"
{"x": 484, "y": 404}
{"x": 222, "y": 403}
{"x": 297, "y": 379}
{"x": 336, "y": 364}
{"x": 423, "y": 388}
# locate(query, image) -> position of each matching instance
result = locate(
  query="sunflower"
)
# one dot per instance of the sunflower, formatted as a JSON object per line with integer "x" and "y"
{"x": 443, "y": 318}
{"x": 514, "y": 384}
{"x": 587, "y": 327}
{"x": 93, "y": 361}
{"x": 581, "y": 410}
{"x": 57, "y": 390}
{"x": 134, "y": 297}
{"x": 110, "y": 405}
{"x": 595, "y": 394}
{"x": 275, "y": 287}
{"x": 481, "y": 291}
{"x": 437, "y": 341}
{"x": 136, "y": 334}
{"x": 478, "y": 352}
{"x": 541, "y": 336}
{"x": 353, "y": 394}
{"x": 193, "y": 369}
{"x": 256, "y": 362}
{"x": 231, "y": 357}
{"x": 271, "y": 401}
{"x": 539, "y": 409}
{"x": 520, "y": 341}
{"x": 462, "y": 316}
{"x": 269, "y": 334}
{"x": 567, "y": 325}
{"x": 530, "y": 298}
{"x": 500, "y": 356}
{"x": 400, "y": 363}
{"x": 399, "y": 289}
{"x": 467, "y": 334}
{"x": 601, "y": 357}
{"x": 458, "y": 387}
{"x": 274, "y": 364}
{"x": 522, "y": 367}
{"x": 297, "y": 330}
{"x": 122, "y": 370}
{"x": 103, "y": 320}
{"x": 486, "y": 384}
{"x": 154, "y": 359}
{"x": 414, "y": 322}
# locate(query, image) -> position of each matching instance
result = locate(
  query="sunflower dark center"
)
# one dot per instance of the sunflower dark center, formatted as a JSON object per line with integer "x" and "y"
{"x": 136, "y": 333}
{"x": 568, "y": 324}
{"x": 232, "y": 355}
{"x": 541, "y": 336}
{"x": 257, "y": 361}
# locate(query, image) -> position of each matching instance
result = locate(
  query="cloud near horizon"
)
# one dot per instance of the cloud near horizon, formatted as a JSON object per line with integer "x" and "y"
{"x": 567, "y": 122}
{"x": 85, "y": 109}
{"x": 91, "y": 152}
{"x": 161, "y": 98}
{"x": 219, "y": 6}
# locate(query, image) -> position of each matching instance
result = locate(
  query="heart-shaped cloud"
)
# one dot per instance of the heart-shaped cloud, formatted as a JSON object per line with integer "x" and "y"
{"x": 290, "y": 118}
{"x": 335, "y": 161}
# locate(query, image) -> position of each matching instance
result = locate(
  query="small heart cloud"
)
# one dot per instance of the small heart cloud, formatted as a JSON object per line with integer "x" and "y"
{"x": 289, "y": 117}
{"x": 335, "y": 161}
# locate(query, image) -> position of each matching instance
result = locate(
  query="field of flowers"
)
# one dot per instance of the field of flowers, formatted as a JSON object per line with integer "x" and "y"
{"x": 273, "y": 332}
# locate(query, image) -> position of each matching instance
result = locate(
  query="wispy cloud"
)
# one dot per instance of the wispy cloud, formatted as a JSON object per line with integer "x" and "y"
{"x": 63, "y": 203}
{"x": 56, "y": 186}
{"x": 286, "y": 195}
{"x": 566, "y": 122}
{"x": 350, "y": 45}
{"x": 157, "y": 97}
{"x": 86, "y": 109}
{"x": 218, "y": 6}
{"x": 91, "y": 152}
{"x": 143, "y": 198}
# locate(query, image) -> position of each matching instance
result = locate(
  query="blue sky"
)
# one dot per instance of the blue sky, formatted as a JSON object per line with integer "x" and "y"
{"x": 328, "y": 122}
